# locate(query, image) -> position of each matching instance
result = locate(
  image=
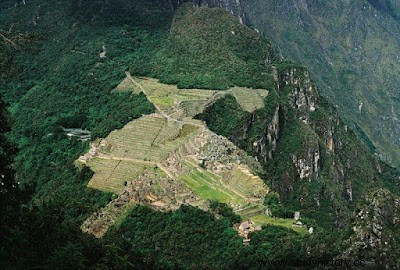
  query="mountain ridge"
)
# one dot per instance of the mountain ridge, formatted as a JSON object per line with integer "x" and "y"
{"x": 339, "y": 62}
{"x": 312, "y": 161}
{"x": 342, "y": 45}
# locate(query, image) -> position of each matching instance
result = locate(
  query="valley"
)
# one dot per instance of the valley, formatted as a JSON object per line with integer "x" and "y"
{"x": 172, "y": 135}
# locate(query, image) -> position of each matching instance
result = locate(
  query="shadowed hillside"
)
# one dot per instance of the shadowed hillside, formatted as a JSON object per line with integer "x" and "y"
{"x": 162, "y": 190}
{"x": 351, "y": 49}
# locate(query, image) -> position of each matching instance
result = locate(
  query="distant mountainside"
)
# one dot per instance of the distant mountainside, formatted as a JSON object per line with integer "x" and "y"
{"x": 392, "y": 7}
{"x": 352, "y": 50}
{"x": 164, "y": 190}
{"x": 353, "y": 57}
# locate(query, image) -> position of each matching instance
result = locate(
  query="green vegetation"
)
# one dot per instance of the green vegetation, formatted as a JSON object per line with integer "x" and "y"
{"x": 7, "y": 153}
{"x": 61, "y": 80}
{"x": 225, "y": 116}
{"x": 277, "y": 243}
{"x": 208, "y": 186}
{"x": 351, "y": 61}
{"x": 184, "y": 238}
{"x": 224, "y": 210}
{"x": 390, "y": 6}
{"x": 55, "y": 80}
{"x": 273, "y": 202}
{"x": 179, "y": 240}
{"x": 279, "y": 222}
{"x": 202, "y": 54}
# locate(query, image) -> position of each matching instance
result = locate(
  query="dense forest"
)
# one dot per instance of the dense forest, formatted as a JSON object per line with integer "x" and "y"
{"x": 52, "y": 77}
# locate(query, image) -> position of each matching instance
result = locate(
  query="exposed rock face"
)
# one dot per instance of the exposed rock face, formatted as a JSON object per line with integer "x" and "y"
{"x": 328, "y": 132}
{"x": 329, "y": 140}
{"x": 308, "y": 166}
{"x": 267, "y": 144}
{"x": 303, "y": 94}
{"x": 375, "y": 231}
{"x": 344, "y": 55}
{"x": 303, "y": 98}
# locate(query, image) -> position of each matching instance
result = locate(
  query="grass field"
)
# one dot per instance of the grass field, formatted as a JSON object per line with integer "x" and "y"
{"x": 207, "y": 186}
{"x": 249, "y": 99}
{"x": 284, "y": 222}
{"x": 210, "y": 186}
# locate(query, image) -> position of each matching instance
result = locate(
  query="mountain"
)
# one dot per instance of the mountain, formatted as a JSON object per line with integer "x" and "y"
{"x": 149, "y": 137}
{"x": 342, "y": 45}
{"x": 351, "y": 48}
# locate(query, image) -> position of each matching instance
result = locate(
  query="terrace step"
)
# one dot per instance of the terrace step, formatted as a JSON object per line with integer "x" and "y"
{"x": 251, "y": 210}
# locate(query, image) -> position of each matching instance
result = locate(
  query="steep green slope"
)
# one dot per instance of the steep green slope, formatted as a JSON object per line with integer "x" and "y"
{"x": 317, "y": 164}
{"x": 194, "y": 61}
{"x": 351, "y": 49}
{"x": 389, "y": 6}
{"x": 59, "y": 79}
{"x": 313, "y": 159}
{"x": 63, "y": 81}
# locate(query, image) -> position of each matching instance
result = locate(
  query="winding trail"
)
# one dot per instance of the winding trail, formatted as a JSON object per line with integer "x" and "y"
{"x": 138, "y": 161}
{"x": 159, "y": 110}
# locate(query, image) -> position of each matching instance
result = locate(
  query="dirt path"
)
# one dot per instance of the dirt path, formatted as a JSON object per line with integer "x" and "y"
{"x": 138, "y": 161}
{"x": 165, "y": 170}
{"x": 129, "y": 76}
{"x": 159, "y": 110}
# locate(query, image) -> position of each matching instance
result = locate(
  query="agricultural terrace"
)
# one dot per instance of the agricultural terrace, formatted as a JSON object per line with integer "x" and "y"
{"x": 147, "y": 142}
{"x": 141, "y": 143}
{"x": 189, "y": 102}
{"x": 249, "y": 99}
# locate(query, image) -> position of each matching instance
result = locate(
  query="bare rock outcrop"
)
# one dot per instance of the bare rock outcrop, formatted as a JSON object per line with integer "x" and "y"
{"x": 266, "y": 145}
{"x": 303, "y": 94}
{"x": 375, "y": 231}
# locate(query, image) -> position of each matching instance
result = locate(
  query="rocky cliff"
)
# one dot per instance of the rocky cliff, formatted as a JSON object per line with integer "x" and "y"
{"x": 341, "y": 42}
{"x": 312, "y": 159}
{"x": 266, "y": 145}
{"x": 375, "y": 230}
{"x": 338, "y": 53}
{"x": 233, "y": 6}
